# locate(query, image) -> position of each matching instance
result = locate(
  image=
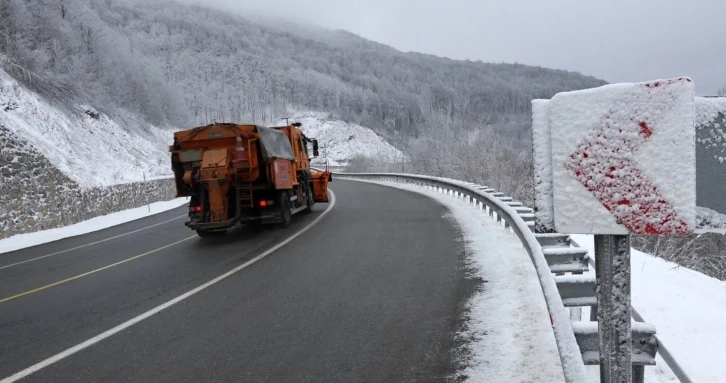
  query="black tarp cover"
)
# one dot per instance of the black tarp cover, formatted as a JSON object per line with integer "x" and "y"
{"x": 275, "y": 144}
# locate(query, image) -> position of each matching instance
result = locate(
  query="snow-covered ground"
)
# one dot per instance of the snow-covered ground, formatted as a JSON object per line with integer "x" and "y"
{"x": 21, "y": 241}
{"x": 340, "y": 141}
{"x": 509, "y": 326}
{"x": 687, "y": 308}
{"x": 91, "y": 151}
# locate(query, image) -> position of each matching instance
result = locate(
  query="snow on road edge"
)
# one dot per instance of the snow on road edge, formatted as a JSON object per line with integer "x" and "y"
{"x": 509, "y": 327}
{"x": 22, "y": 241}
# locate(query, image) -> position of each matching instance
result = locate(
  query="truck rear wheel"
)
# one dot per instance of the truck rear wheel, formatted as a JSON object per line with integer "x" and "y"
{"x": 309, "y": 200}
{"x": 285, "y": 211}
{"x": 211, "y": 234}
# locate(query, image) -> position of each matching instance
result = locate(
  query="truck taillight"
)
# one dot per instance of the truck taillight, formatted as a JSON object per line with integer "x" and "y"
{"x": 195, "y": 209}
{"x": 263, "y": 203}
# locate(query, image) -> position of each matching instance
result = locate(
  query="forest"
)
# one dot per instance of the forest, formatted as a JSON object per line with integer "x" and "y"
{"x": 179, "y": 66}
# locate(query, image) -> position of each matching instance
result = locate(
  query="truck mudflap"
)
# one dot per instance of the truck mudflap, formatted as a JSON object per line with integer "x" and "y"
{"x": 320, "y": 185}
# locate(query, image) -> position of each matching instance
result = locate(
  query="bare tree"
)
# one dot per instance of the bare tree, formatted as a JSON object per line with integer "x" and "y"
{"x": 721, "y": 92}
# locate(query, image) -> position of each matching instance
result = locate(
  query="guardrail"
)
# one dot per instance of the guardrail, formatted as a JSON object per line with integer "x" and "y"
{"x": 563, "y": 270}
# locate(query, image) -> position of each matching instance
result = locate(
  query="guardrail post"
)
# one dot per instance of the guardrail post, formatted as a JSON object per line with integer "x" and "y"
{"x": 612, "y": 267}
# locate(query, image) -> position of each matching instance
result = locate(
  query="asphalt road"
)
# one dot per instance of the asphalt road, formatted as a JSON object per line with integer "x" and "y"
{"x": 373, "y": 292}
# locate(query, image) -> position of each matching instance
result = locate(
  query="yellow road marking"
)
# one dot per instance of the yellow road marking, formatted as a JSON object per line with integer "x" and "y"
{"x": 123, "y": 326}
{"x": 92, "y": 271}
{"x": 86, "y": 245}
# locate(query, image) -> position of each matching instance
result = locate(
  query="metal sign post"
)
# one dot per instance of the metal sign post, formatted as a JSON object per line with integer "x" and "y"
{"x": 612, "y": 267}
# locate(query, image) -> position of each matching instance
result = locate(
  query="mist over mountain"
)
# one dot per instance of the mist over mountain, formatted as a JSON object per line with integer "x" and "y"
{"x": 180, "y": 65}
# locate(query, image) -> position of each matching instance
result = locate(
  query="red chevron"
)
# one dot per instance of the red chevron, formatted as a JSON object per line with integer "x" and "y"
{"x": 603, "y": 164}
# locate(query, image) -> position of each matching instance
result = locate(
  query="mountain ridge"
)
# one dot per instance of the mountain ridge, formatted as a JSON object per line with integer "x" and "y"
{"x": 162, "y": 35}
{"x": 178, "y": 66}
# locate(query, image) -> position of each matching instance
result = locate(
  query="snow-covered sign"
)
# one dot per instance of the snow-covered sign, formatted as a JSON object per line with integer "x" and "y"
{"x": 617, "y": 159}
{"x": 541, "y": 140}
{"x": 711, "y": 161}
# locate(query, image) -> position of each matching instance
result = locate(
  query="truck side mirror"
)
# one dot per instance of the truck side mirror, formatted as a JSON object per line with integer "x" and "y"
{"x": 315, "y": 148}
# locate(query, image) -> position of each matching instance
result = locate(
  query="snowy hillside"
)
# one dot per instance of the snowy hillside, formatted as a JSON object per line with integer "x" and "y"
{"x": 91, "y": 148}
{"x": 94, "y": 149}
{"x": 340, "y": 141}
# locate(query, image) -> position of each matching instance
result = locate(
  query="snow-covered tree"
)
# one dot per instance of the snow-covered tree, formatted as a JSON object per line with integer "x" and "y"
{"x": 187, "y": 65}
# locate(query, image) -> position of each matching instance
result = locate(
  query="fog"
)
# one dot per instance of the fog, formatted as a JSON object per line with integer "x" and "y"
{"x": 618, "y": 41}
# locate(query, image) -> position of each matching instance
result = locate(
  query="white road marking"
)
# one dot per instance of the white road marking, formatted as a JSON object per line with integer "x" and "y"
{"x": 108, "y": 333}
{"x": 90, "y": 244}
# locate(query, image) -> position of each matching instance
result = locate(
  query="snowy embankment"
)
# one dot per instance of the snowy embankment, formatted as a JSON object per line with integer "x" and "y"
{"x": 63, "y": 164}
{"x": 92, "y": 148}
{"x": 340, "y": 141}
{"x": 94, "y": 224}
{"x": 508, "y": 329}
{"x": 687, "y": 308}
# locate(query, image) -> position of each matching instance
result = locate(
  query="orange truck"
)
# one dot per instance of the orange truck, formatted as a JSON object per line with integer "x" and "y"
{"x": 245, "y": 175}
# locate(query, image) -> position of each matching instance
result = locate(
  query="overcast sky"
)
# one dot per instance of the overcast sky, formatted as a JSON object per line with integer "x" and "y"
{"x": 616, "y": 40}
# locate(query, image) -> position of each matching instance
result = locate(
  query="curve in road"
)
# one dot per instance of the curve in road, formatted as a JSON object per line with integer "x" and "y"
{"x": 374, "y": 292}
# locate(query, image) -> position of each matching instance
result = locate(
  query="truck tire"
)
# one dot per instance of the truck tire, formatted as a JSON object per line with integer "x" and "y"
{"x": 211, "y": 234}
{"x": 285, "y": 211}
{"x": 309, "y": 202}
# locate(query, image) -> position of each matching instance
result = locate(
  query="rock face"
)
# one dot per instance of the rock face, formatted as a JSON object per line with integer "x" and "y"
{"x": 34, "y": 195}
